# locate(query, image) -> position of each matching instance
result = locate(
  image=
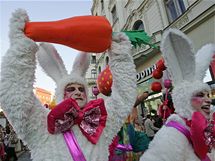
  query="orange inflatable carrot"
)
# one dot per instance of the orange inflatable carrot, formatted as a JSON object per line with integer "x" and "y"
{"x": 84, "y": 33}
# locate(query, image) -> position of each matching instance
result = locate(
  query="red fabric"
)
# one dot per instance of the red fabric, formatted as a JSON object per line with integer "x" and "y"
{"x": 214, "y": 126}
{"x": 165, "y": 113}
{"x": 2, "y": 151}
{"x": 112, "y": 147}
{"x": 84, "y": 33}
{"x": 198, "y": 126}
{"x": 58, "y": 113}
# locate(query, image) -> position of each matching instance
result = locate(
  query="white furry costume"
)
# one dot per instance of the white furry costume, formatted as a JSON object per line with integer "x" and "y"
{"x": 187, "y": 71}
{"x": 29, "y": 117}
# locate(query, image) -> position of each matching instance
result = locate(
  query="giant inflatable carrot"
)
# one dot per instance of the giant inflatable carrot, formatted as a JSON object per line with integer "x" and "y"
{"x": 85, "y": 33}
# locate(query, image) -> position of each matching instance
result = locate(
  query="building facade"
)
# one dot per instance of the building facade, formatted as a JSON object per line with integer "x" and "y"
{"x": 44, "y": 96}
{"x": 196, "y": 18}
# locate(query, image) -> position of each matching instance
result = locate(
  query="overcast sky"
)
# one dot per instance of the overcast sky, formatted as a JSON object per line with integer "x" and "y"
{"x": 43, "y": 11}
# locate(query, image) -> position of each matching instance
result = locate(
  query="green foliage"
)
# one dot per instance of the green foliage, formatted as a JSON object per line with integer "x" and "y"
{"x": 138, "y": 37}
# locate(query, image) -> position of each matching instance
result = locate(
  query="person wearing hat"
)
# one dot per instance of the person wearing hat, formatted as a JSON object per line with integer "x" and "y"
{"x": 76, "y": 129}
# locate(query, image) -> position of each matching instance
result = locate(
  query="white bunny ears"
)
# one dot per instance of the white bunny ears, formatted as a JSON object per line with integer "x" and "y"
{"x": 51, "y": 62}
{"x": 53, "y": 65}
{"x": 203, "y": 58}
{"x": 187, "y": 70}
{"x": 179, "y": 56}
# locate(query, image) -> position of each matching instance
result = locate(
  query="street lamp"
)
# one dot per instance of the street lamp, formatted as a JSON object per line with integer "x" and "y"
{"x": 95, "y": 91}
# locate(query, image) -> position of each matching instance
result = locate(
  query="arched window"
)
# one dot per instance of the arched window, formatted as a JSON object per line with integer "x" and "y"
{"x": 114, "y": 14}
{"x": 93, "y": 73}
{"x": 93, "y": 59}
{"x": 102, "y": 5}
{"x": 107, "y": 60}
{"x": 138, "y": 25}
{"x": 99, "y": 69}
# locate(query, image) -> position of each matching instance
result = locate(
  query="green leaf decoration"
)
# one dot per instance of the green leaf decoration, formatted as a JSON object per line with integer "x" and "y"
{"x": 138, "y": 37}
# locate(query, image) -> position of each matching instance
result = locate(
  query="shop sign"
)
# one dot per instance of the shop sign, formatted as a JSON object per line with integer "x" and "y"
{"x": 147, "y": 72}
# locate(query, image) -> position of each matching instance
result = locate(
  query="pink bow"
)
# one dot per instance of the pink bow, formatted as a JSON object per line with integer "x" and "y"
{"x": 202, "y": 134}
{"x": 91, "y": 119}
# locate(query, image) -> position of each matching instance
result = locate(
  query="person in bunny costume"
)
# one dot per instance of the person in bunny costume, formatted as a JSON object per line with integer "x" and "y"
{"x": 69, "y": 131}
{"x": 189, "y": 134}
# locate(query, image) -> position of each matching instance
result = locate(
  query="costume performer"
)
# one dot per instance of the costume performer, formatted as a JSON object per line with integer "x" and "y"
{"x": 130, "y": 142}
{"x": 189, "y": 134}
{"x": 70, "y": 116}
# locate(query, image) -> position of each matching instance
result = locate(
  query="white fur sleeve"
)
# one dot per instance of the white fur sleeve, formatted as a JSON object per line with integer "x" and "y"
{"x": 167, "y": 145}
{"x": 17, "y": 77}
{"x": 212, "y": 154}
{"x": 123, "y": 95}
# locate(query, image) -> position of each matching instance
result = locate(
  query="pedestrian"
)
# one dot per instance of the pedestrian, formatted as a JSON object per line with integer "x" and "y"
{"x": 75, "y": 124}
{"x": 213, "y": 105}
{"x": 158, "y": 122}
{"x": 130, "y": 142}
{"x": 141, "y": 98}
{"x": 10, "y": 141}
{"x": 150, "y": 129}
{"x": 2, "y": 146}
{"x": 2, "y": 152}
{"x": 187, "y": 135}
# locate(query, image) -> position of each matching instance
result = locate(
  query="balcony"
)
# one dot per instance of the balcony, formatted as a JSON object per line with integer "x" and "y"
{"x": 140, "y": 54}
{"x": 91, "y": 81}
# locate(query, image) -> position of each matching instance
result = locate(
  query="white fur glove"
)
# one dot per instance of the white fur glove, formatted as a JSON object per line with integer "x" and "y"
{"x": 120, "y": 43}
{"x": 17, "y": 26}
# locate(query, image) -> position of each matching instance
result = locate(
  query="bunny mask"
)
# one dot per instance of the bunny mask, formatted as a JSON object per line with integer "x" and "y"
{"x": 187, "y": 70}
{"x": 52, "y": 64}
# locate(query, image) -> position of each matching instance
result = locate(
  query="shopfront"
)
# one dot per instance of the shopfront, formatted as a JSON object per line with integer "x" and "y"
{"x": 144, "y": 81}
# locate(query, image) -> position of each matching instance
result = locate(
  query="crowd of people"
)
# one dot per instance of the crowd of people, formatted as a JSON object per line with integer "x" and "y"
{"x": 8, "y": 143}
{"x": 138, "y": 130}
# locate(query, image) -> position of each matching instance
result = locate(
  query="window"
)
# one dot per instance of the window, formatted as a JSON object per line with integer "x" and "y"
{"x": 174, "y": 9}
{"x": 93, "y": 73}
{"x": 99, "y": 69}
{"x": 114, "y": 15}
{"x": 102, "y": 4}
{"x": 93, "y": 59}
{"x": 107, "y": 60}
{"x": 138, "y": 25}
